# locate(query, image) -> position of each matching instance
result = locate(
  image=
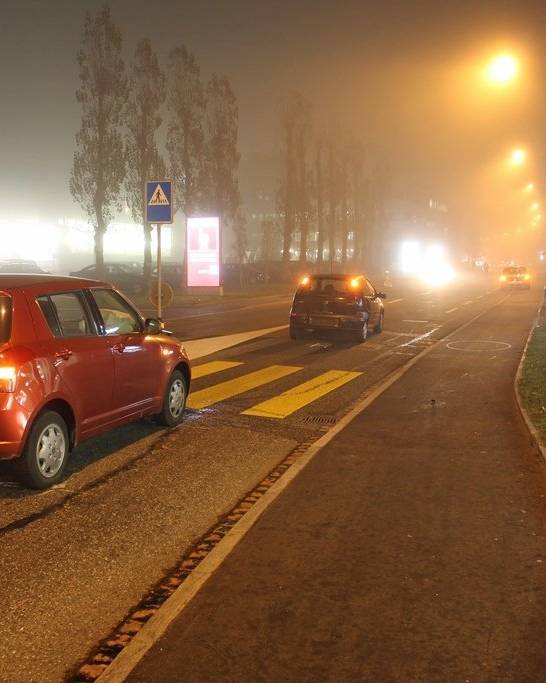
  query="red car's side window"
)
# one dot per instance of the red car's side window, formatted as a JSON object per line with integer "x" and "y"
{"x": 65, "y": 314}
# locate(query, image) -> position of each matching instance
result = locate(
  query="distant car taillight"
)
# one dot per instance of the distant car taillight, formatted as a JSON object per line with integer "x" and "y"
{"x": 527, "y": 276}
{"x": 503, "y": 278}
{"x": 8, "y": 376}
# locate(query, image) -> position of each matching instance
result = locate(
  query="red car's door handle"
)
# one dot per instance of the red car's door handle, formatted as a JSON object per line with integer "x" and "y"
{"x": 63, "y": 355}
{"x": 119, "y": 347}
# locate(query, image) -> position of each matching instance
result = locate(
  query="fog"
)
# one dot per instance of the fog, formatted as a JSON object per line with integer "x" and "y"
{"x": 405, "y": 78}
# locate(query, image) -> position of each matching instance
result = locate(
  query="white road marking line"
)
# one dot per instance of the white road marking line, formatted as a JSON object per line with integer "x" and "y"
{"x": 197, "y": 348}
{"x": 393, "y": 301}
{"x": 451, "y": 310}
{"x": 468, "y": 302}
{"x": 421, "y": 337}
{"x": 415, "y": 321}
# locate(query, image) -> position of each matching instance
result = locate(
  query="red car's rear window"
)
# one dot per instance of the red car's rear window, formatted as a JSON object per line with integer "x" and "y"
{"x": 5, "y": 318}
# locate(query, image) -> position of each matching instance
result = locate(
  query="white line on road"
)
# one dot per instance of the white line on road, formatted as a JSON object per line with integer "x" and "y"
{"x": 197, "y": 348}
{"x": 468, "y": 302}
{"x": 451, "y": 310}
{"x": 393, "y": 301}
{"x": 421, "y": 337}
{"x": 415, "y": 321}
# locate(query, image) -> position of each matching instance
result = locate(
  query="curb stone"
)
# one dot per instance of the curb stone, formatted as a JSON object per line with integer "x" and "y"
{"x": 533, "y": 432}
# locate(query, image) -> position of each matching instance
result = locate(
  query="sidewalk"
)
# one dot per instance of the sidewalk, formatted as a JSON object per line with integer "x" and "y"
{"x": 411, "y": 548}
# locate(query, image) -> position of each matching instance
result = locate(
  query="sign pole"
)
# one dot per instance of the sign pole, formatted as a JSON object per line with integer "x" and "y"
{"x": 159, "y": 312}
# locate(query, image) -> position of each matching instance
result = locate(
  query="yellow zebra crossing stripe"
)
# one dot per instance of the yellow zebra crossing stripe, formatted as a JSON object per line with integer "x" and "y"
{"x": 290, "y": 401}
{"x": 220, "y": 392}
{"x": 212, "y": 367}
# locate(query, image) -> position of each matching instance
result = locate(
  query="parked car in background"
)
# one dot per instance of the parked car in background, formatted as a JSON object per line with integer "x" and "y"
{"x": 77, "y": 359}
{"x": 340, "y": 303}
{"x": 125, "y": 276}
{"x": 173, "y": 274}
{"x": 20, "y": 266}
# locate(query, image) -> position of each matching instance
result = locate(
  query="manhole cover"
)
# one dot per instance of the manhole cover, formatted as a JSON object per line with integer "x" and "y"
{"x": 320, "y": 419}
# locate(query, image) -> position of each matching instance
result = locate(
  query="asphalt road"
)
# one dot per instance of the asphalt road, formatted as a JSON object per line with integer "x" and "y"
{"x": 412, "y": 548}
{"x": 77, "y": 558}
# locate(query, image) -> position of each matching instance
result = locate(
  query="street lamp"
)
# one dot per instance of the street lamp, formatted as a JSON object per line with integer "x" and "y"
{"x": 529, "y": 187}
{"x": 502, "y": 69}
{"x": 517, "y": 157}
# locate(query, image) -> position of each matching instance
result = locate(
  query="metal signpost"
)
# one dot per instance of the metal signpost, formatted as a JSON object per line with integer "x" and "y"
{"x": 159, "y": 209}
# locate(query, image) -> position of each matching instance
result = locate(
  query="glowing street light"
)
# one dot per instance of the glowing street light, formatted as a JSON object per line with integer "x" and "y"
{"x": 535, "y": 206}
{"x": 529, "y": 187}
{"x": 518, "y": 157}
{"x": 502, "y": 69}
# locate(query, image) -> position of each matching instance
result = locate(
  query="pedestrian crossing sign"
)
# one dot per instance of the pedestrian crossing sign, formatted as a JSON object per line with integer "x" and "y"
{"x": 158, "y": 200}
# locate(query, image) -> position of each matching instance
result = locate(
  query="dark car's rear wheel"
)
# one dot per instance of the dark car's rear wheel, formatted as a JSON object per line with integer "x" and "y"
{"x": 379, "y": 327}
{"x": 362, "y": 333}
{"x": 174, "y": 401}
{"x": 295, "y": 332}
{"x": 45, "y": 455}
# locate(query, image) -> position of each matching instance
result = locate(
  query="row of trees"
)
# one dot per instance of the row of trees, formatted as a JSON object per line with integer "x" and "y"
{"x": 117, "y": 143}
{"x": 326, "y": 186}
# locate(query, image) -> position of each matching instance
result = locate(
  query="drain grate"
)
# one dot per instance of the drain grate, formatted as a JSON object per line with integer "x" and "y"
{"x": 320, "y": 419}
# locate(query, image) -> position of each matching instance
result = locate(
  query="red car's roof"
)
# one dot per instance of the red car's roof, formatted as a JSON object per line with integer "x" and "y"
{"x": 17, "y": 281}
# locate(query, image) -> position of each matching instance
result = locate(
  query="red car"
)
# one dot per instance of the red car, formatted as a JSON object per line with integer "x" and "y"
{"x": 77, "y": 359}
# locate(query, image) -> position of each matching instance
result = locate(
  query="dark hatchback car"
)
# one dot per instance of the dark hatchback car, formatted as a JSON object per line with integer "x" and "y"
{"x": 77, "y": 359}
{"x": 515, "y": 277}
{"x": 125, "y": 276}
{"x": 346, "y": 304}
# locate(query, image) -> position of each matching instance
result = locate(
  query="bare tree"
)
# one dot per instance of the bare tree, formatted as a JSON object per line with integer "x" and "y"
{"x": 239, "y": 230}
{"x": 294, "y": 195}
{"x": 358, "y": 190}
{"x": 98, "y": 168}
{"x": 303, "y": 189}
{"x": 222, "y": 155}
{"x": 333, "y": 174}
{"x": 319, "y": 188}
{"x": 185, "y": 136}
{"x": 146, "y": 95}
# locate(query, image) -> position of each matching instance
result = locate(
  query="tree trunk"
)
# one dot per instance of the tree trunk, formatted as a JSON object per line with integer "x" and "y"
{"x": 147, "y": 271}
{"x": 320, "y": 208}
{"x": 99, "y": 246}
{"x": 357, "y": 228}
{"x": 289, "y": 190}
{"x": 344, "y": 223}
{"x": 302, "y": 197}
{"x": 332, "y": 207}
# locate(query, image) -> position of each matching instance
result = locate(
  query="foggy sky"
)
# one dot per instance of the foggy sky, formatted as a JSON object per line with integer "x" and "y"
{"x": 392, "y": 71}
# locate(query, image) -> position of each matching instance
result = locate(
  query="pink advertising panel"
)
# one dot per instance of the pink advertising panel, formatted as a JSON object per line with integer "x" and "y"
{"x": 203, "y": 251}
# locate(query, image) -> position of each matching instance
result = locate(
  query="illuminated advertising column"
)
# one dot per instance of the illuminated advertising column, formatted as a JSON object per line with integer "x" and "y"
{"x": 203, "y": 251}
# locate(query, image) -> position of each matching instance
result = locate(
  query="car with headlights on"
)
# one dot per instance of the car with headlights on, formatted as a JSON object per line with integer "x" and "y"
{"x": 340, "y": 303}
{"x": 515, "y": 277}
{"x": 78, "y": 359}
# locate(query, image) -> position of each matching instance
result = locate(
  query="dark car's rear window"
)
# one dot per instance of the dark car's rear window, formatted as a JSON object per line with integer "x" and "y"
{"x": 5, "y": 318}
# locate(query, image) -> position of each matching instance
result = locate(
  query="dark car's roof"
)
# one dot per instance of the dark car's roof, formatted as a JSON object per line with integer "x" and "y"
{"x": 335, "y": 276}
{"x": 12, "y": 280}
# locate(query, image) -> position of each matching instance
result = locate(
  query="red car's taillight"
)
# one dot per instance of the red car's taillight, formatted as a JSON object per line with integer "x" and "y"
{"x": 8, "y": 376}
